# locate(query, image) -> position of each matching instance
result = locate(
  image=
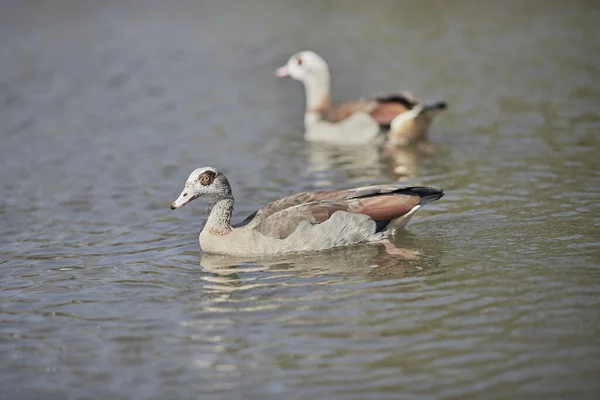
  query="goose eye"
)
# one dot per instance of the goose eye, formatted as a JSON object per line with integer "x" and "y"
{"x": 299, "y": 61}
{"x": 205, "y": 180}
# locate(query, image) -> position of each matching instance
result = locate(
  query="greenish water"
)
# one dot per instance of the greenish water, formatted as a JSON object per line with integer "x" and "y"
{"x": 107, "y": 107}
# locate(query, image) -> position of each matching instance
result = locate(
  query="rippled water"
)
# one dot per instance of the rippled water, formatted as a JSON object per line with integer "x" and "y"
{"x": 107, "y": 107}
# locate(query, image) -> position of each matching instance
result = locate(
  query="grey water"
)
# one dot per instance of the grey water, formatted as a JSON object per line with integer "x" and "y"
{"x": 106, "y": 107}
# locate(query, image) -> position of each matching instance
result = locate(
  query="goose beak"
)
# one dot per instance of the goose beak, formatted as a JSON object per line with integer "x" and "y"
{"x": 185, "y": 197}
{"x": 282, "y": 72}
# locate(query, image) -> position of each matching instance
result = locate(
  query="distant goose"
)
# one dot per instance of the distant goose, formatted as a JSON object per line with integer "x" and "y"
{"x": 303, "y": 222}
{"x": 356, "y": 122}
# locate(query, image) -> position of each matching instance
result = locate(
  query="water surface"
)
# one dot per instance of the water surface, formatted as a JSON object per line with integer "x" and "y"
{"x": 107, "y": 107}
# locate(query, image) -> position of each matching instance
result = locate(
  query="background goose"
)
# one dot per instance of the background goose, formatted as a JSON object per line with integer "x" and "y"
{"x": 356, "y": 122}
{"x": 303, "y": 222}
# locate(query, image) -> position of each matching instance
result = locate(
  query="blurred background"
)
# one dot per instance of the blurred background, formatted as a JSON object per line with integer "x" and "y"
{"x": 106, "y": 107}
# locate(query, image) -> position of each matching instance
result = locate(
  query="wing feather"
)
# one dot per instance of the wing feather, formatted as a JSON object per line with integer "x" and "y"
{"x": 379, "y": 203}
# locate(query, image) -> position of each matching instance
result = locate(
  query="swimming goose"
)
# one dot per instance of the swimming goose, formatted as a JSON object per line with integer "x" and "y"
{"x": 303, "y": 222}
{"x": 405, "y": 118}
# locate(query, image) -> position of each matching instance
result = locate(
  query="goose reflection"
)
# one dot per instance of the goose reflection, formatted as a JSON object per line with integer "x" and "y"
{"x": 404, "y": 162}
{"x": 355, "y": 260}
{"x": 364, "y": 163}
{"x": 356, "y": 163}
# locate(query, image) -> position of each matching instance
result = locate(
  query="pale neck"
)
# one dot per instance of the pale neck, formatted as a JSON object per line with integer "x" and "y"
{"x": 317, "y": 93}
{"x": 218, "y": 221}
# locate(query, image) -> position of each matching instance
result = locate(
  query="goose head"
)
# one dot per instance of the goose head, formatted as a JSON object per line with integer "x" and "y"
{"x": 207, "y": 183}
{"x": 309, "y": 68}
{"x": 304, "y": 65}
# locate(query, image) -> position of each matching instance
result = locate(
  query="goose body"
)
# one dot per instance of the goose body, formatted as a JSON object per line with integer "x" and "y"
{"x": 405, "y": 119}
{"x": 303, "y": 222}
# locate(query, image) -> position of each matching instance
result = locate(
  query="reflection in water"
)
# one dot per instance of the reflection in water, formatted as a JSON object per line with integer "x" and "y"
{"x": 366, "y": 162}
{"x": 356, "y": 163}
{"x": 247, "y": 306}
{"x": 402, "y": 161}
{"x": 343, "y": 261}
{"x": 251, "y": 309}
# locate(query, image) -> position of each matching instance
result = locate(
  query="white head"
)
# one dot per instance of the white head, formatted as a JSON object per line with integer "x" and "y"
{"x": 303, "y": 65}
{"x": 207, "y": 183}
{"x": 309, "y": 68}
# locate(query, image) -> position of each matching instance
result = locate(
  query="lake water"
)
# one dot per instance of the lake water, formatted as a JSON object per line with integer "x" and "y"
{"x": 106, "y": 107}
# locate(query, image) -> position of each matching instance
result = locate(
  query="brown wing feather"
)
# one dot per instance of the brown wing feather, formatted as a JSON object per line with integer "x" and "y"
{"x": 391, "y": 105}
{"x": 385, "y": 113}
{"x": 383, "y": 109}
{"x": 380, "y": 204}
{"x": 341, "y": 111}
{"x": 387, "y": 207}
{"x": 331, "y": 195}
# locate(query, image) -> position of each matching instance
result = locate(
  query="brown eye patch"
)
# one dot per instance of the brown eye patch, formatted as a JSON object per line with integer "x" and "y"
{"x": 206, "y": 178}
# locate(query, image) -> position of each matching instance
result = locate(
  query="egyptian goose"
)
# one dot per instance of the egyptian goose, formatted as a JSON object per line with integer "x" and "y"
{"x": 405, "y": 118}
{"x": 303, "y": 222}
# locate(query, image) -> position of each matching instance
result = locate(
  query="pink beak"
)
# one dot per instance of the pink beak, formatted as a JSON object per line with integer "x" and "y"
{"x": 282, "y": 72}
